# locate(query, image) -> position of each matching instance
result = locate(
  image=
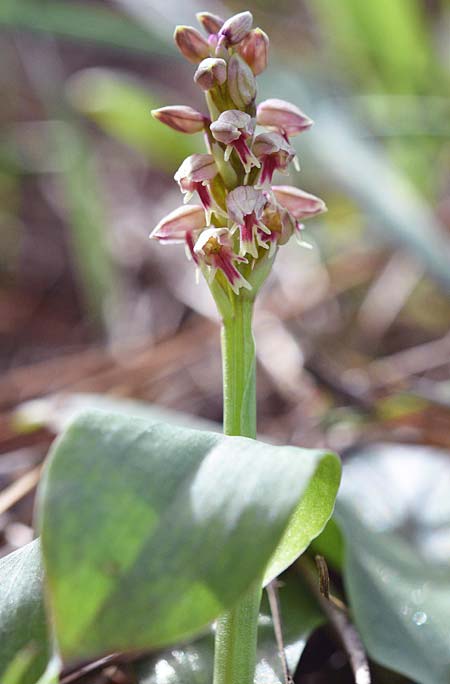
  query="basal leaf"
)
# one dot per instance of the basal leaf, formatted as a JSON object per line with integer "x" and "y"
{"x": 149, "y": 532}
{"x": 394, "y": 511}
{"x": 24, "y": 646}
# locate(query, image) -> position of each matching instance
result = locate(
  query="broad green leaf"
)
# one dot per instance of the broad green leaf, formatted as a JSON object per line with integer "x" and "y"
{"x": 121, "y": 106}
{"x": 394, "y": 511}
{"x": 193, "y": 664}
{"x": 149, "y": 532}
{"x": 24, "y": 645}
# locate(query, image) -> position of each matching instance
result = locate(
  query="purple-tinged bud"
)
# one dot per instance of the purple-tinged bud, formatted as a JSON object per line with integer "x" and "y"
{"x": 241, "y": 82}
{"x": 181, "y": 118}
{"x": 254, "y": 49}
{"x": 181, "y": 225}
{"x": 191, "y": 43}
{"x": 284, "y": 116}
{"x": 280, "y": 224}
{"x": 274, "y": 153}
{"x": 300, "y": 204}
{"x": 214, "y": 249}
{"x": 232, "y": 129}
{"x": 194, "y": 174}
{"x": 211, "y": 72}
{"x": 210, "y": 22}
{"x": 245, "y": 206}
{"x": 236, "y": 28}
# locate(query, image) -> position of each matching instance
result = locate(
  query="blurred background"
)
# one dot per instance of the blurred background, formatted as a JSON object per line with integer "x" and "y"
{"x": 352, "y": 335}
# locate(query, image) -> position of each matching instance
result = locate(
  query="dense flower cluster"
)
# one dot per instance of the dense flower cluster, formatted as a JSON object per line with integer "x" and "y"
{"x": 241, "y": 219}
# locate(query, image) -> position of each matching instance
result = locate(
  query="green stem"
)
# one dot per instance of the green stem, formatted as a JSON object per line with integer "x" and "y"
{"x": 238, "y": 361}
{"x": 236, "y": 631}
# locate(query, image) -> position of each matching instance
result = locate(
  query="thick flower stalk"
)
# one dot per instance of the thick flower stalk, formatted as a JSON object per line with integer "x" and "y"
{"x": 233, "y": 232}
{"x": 246, "y": 145}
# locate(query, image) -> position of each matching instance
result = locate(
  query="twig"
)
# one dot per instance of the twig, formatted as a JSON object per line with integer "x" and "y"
{"x": 89, "y": 668}
{"x": 275, "y": 609}
{"x": 337, "y": 614}
{"x": 18, "y": 489}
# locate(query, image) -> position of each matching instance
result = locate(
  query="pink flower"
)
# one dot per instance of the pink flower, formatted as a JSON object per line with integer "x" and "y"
{"x": 236, "y": 28}
{"x": 210, "y": 22}
{"x": 283, "y": 116}
{"x": 300, "y": 204}
{"x": 233, "y": 128}
{"x": 254, "y": 49}
{"x": 194, "y": 175}
{"x": 279, "y": 225}
{"x": 241, "y": 82}
{"x": 211, "y": 72}
{"x": 181, "y": 225}
{"x": 245, "y": 206}
{"x": 214, "y": 249}
{"x": 181, "y": 118}
{"x": 274, "y": 152}
{"x": 191, "y": 43}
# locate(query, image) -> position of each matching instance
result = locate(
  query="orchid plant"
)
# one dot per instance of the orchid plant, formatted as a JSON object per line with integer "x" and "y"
{"x": 234, "y": 234}
{"x": 149, "y": 532}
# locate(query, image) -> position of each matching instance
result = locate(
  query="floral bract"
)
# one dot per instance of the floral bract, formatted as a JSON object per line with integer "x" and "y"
{"x": 243, "y": 218}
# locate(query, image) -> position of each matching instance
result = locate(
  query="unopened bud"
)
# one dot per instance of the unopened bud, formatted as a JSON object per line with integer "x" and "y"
{"x": 254, "y": 48}
{"x": 175, "y": 226}
{"x": 299, "y": 203}
{"x": 236, "y": 28}
{"x": 241, "y": 82}
{"x": 210, "y": 22}
{"x": 181, "y": 118}
{"x": 191, "y": 43}
{"x": 283, "y": 116}
{"x": 210, "y": 73}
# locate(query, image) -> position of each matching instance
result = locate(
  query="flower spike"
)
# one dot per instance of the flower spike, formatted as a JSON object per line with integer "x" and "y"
{"x": 234, "y": 233}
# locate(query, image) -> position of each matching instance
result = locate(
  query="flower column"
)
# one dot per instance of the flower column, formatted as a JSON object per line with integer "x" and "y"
{"x": 234, "y": 234}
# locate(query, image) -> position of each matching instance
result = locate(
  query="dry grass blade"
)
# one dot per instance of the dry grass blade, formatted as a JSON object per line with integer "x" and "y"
{"x": 18, "y": 489}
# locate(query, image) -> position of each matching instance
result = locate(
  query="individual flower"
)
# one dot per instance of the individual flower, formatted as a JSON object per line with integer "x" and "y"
{"x": 235, "y": 28}
{"x": 214, "y": 249}
{"x": 282, "y": 116}
{"x": 245, "y": 206}
{"x": 274, "y": 153}
{"x": 194, "y": 175}
{"x": 181, "y": 225}
{"x": 279, "y": 226}
{"x": 254, "y": 49}
{"x": 233, "y": 128}
{"x": 210, "y": 22}
{"x": 211, "y": 72}
{"x": 181, "y": 118}
{"x": 191, "y": 43}
{"x": 241, "y": 82}
{"x": 300, "y": 204}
